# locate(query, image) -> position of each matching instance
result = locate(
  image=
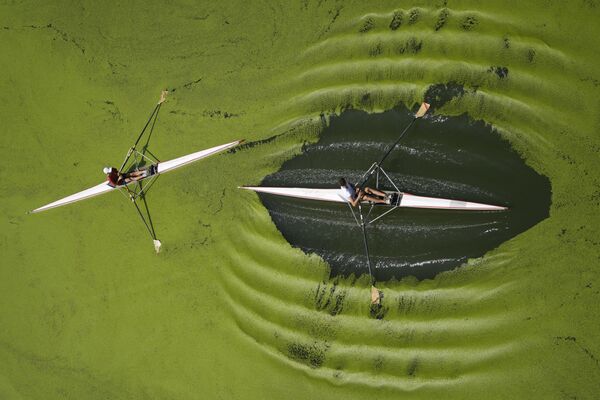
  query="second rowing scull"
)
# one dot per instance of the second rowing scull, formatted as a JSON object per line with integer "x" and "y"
{"x": 402, "y": 199}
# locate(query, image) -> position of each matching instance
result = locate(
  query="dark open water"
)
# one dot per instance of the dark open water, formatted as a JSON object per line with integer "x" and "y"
{"x": 449, "y": 157}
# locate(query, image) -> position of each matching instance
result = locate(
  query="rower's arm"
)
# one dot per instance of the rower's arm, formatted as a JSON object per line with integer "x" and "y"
{"x": 353, "y": 203}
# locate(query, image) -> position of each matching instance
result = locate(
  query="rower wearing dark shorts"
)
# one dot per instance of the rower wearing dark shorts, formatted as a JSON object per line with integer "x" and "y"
{"x": 354, "y": 195}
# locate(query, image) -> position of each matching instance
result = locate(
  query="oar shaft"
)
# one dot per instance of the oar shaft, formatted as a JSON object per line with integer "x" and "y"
{"x": 153, "y": 116}
{"x": 422, "y": 110}
{"x": 396, "y": 142}
{"x": 147, "y": 123}
{"x": 150, "y": 231}
{"x": 376, "y": 166}
{"x": 365, "y": 241}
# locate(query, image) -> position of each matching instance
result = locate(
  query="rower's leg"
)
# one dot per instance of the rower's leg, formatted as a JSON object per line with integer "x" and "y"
{"x": 136, "y": 175}
{"x": 374, "y": 199}
{"x": 385, "y": 199}
{"x": 375, "y": 192}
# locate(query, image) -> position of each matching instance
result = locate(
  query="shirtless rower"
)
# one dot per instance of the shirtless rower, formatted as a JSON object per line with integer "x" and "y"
{"x": 355, "y": 195}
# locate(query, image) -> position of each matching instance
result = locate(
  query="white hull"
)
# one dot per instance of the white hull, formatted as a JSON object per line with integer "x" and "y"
{"x": 184, "y": 160}
{"x": 162, "y": 167}
{"x": 408, "y": 200}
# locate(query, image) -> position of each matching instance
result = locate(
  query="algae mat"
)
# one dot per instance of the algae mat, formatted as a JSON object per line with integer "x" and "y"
{"x": 230, "y": 309}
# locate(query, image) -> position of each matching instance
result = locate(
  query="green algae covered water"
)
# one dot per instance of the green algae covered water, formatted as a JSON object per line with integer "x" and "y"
{"x": 231, "y": 309}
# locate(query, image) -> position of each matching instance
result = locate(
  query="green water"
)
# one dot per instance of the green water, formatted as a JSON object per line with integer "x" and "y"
{"x": 230, "y": 309}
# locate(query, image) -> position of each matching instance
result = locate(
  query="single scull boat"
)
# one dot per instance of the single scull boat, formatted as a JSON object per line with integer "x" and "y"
{"x": 399, "y": 199}
{"x": 161, "y": 168}
{"x": 141, "y": 161}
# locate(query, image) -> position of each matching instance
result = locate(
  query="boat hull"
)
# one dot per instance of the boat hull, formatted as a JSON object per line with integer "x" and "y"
{"x": 407, "y": 200}
{"x": 161, "y": 168}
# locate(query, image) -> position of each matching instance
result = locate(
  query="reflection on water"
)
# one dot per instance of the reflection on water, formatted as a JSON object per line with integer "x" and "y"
{"x": 450, "y": 157}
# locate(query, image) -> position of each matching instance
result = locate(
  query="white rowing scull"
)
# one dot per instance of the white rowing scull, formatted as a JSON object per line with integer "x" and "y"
{"x": 143, "y": 160}
{"x": 399, "y": 199}
{"x": 161, "y": 168}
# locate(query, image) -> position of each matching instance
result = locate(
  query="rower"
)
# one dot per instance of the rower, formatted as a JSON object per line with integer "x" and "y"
{"x": 354, "y": 195}
{"x": 117, "y": 179}
{"x": 113, "y": 176}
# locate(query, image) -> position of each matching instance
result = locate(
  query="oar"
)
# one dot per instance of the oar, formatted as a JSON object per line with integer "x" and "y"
{"x": 420, "y": 113}
{"x": 163, "y": 97}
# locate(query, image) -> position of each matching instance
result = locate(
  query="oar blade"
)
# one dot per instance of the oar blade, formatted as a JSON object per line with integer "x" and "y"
{"x": 375, "y": 296}
{"x": 422, "y": 110}
{"x": 157, "y": 245}
{"x": 163, "y": 96}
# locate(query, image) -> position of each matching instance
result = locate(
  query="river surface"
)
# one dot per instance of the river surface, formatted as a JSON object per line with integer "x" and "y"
{"x": 447, "y": 157}
{"x": 255, "y": 297}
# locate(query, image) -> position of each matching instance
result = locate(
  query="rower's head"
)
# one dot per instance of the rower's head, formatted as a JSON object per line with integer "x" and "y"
{"x": 342, "y": 182}
{"x": 107, "y": 170}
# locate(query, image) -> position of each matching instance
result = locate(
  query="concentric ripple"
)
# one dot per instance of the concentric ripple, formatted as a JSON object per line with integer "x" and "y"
{"x": 230, "y": 309}
{"x": 429, "y": 335}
